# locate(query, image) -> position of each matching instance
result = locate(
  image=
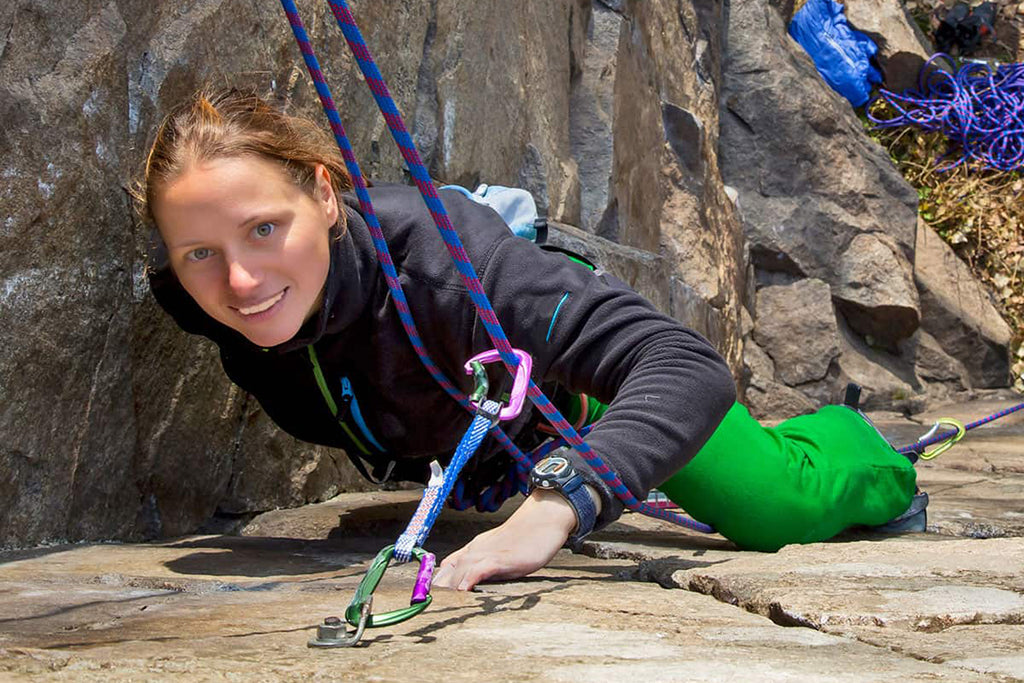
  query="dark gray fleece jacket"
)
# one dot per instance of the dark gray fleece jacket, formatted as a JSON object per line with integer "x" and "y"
{"x": 667, "y": 387}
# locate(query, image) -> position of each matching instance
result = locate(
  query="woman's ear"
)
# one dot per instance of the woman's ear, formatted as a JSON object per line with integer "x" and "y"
{"x": 325, "y": 195}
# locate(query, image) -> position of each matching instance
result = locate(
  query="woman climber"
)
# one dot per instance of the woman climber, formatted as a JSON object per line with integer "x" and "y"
{"x": 263, "y": 251}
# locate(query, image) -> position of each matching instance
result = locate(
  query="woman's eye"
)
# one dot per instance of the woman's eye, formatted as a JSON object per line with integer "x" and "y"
{"x": 263, "y": 230}
{"x": 199, "y": 254}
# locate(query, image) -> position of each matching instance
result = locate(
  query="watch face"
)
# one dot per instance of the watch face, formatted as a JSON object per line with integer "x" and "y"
{"x": 553, "y": 467}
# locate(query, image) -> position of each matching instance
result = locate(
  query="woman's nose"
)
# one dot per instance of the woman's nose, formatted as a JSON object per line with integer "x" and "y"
{"x": 242, "y": 277}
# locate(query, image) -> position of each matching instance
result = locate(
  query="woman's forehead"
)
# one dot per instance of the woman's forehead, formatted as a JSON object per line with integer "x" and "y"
{"x": 227, "y": 184}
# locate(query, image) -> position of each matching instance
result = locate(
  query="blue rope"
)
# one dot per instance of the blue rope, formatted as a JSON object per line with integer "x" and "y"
{"x": 980, "y": 111}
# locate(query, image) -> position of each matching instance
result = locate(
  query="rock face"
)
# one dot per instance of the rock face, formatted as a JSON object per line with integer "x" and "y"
{"x": 958, "y": 312}
{"x": 622, "y": 118}
{"x": 902, "y": 47}
{"x": 797, "y": 328}
{"x": 642, "y": 599}
{"x": 820, "y": 201}
{"x": 875, "y": 289}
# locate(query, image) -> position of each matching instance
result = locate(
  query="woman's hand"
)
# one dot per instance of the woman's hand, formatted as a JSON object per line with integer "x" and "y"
{"x": 521, "y": 545}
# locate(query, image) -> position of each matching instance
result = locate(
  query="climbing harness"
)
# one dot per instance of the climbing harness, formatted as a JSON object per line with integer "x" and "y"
{"x": 978, "y": 109}
{"x": 946, "y": 439}
{"x": 503, "y": 349}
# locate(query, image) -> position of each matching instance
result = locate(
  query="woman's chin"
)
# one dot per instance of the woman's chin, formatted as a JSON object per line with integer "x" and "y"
{"x": 269, "y": 337}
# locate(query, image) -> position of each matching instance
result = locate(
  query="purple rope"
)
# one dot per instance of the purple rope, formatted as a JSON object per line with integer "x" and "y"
{"x": 979, "y": 110}
{"x": 451, "y": 239}
{"x": 919, "y": 446}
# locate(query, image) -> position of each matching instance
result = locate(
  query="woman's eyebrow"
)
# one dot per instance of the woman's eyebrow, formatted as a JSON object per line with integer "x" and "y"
{"x": 183, "y": 245}
{"x": 253, "y": 219}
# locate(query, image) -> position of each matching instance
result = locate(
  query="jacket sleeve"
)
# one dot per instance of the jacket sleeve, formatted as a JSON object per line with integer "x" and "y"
{"x": 667, "y": 387}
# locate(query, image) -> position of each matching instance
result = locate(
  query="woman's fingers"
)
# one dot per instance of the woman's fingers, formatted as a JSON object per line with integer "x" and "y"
{"x": 479, "y": 571}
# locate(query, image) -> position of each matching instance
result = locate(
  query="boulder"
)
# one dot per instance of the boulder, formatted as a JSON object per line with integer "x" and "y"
{"x": 958, "y": 312}
{"x": 875, "y": 289}
{"x": 796, "y": 326}
{"x": 808, "y": 179}
{"x": 765, "y": 398}
{"x": 902, "y": 47}
{"x": 886, "y": 380}
{"x": 933, "y": 364}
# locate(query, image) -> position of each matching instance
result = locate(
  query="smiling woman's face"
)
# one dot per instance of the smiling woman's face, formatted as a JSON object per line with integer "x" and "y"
{"x": 250, "y": 246}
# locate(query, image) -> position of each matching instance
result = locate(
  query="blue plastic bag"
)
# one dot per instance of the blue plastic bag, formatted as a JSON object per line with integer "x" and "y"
{"x": 842, "y": 54}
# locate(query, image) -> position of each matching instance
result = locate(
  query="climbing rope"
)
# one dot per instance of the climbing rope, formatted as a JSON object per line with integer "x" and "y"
{"x": 981, "y": 111}
{"x": 421, "y": 178}
{"x": 951, "y": 436}
{"x": 523, "y": 463}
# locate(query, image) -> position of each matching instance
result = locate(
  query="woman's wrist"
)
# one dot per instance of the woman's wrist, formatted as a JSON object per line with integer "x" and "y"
{"x": 554, "y": 508}
{"x": 561, "y": 510}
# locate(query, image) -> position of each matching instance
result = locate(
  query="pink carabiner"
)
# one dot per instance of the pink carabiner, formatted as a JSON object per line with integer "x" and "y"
{"x": 515, "y": 404}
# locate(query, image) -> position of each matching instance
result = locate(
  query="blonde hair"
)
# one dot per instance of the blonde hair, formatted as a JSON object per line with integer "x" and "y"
{"x": 234, "y": 123}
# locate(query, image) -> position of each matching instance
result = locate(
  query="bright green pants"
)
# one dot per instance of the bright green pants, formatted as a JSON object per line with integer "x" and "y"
{"x": 802, "y": 481}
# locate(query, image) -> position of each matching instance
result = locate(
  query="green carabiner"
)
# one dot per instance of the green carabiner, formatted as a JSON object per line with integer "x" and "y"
{"x": 421, "y": 597}
{"x": 480, "y": 382}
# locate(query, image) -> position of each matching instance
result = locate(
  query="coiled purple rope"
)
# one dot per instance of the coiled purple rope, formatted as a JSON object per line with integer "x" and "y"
{"x": 980, "y": 111}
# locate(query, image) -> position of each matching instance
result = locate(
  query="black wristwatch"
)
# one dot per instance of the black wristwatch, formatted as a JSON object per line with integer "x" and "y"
{"x": 555, "y": 473}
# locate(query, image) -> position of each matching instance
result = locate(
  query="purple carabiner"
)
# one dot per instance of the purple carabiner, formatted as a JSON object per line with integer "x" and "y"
{"x": 515, "y": 404}
{"x": 424, "y": 577}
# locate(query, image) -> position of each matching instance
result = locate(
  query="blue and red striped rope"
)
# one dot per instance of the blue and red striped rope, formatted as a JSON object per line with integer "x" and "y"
{"x": 452, "y": 242}
{"x": 919, "y": 446}
{"x": 380, "y": 244}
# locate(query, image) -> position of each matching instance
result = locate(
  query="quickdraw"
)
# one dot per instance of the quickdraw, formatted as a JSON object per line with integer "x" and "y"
{"x": 332, "y": 633}
{"x": 949, "y": 437}
{"x": 948, "y": 443}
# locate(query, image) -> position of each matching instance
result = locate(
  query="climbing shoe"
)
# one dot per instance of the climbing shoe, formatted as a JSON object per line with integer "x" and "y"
{"x": 915, "y": 519}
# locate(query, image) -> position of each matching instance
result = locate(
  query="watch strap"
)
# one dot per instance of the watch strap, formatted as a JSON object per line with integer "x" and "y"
{"x": 586, "y": 512}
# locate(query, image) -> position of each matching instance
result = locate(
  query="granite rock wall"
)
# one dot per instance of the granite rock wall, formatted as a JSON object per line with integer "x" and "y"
{"x": 690, "y": 141}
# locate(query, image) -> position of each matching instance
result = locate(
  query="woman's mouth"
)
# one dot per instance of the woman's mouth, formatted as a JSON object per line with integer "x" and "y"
{"x": 263, "y": 308}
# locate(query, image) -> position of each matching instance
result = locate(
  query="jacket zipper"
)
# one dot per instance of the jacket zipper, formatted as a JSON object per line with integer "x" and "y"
{"x": 341, "y": 415}
{"x": 352, "y": 408}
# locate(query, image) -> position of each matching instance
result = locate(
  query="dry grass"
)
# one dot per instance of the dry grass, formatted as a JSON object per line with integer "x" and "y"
{"x": 979, "y": 212}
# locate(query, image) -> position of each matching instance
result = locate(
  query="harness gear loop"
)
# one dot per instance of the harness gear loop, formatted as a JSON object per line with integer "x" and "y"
{"x": 363, "y": 597}
{"x": 949, "y": 442}
{"x": 519, "y": 385}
